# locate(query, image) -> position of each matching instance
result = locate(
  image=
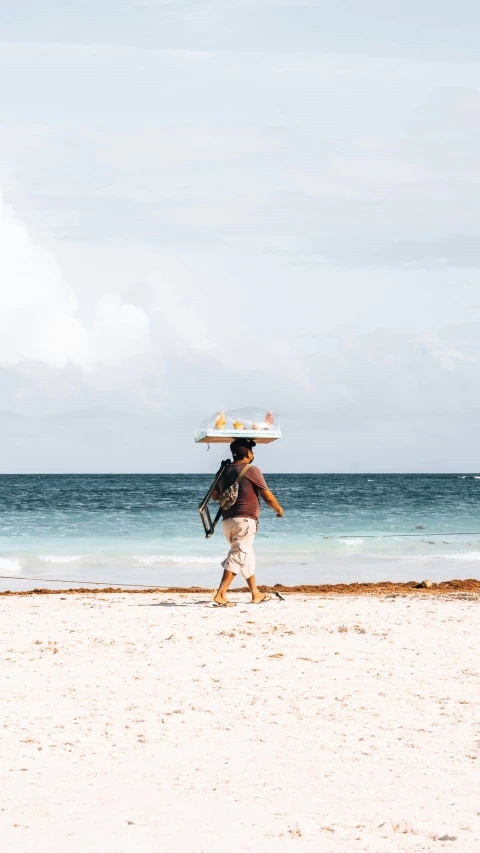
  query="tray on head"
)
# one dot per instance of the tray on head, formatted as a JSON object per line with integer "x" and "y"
{"x": 225, "y": 436}
{"x": 253, "y": 422}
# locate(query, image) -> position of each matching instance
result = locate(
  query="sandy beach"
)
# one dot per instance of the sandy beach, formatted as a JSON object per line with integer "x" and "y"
{"x": 319, "y": 723}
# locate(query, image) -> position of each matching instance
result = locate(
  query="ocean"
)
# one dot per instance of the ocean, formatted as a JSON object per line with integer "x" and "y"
{"x": 145, "y": 529}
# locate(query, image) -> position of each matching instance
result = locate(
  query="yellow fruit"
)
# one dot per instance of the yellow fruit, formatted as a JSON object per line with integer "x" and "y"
{"x": 238, "y": 425}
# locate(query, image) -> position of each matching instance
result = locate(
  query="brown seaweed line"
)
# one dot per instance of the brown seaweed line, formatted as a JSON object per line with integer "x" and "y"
{"x": 471, "y": 586}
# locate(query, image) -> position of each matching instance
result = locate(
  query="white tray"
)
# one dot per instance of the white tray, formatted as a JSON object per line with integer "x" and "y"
{"x": 225, "y": 436}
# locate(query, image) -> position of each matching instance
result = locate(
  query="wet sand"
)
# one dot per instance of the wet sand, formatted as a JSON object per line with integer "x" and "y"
{"x": 329, "y": 722}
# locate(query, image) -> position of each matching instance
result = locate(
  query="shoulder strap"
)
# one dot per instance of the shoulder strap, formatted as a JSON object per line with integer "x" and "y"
{"x": 242, "y": 472}
{"x": 229, "y": 482}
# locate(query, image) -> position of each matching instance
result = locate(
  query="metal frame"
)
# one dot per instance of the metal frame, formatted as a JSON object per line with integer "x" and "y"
{"x": 208, "y": 524}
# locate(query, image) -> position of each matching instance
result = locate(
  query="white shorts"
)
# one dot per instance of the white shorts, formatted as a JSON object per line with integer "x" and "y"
{"x": 240, "y": 533}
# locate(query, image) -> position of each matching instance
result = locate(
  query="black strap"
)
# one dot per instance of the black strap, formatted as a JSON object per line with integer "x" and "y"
{"x": 219, "y": 513}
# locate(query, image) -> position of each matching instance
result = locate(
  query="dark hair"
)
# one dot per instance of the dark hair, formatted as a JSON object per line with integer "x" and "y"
{"x": 240, "y": 447}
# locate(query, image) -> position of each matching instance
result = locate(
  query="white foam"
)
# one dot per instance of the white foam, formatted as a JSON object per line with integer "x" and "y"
{"x": 351, "y": 542}
{"x": 175, "y": 559}
{"x": 469, "y": 556}
{"x": 61, "y": 558}
{"x": 10, "y": 565}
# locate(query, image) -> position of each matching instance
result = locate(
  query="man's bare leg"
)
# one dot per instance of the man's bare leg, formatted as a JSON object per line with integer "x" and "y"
{"x": 221, "y": 595}
{"x": 257, "y": 596}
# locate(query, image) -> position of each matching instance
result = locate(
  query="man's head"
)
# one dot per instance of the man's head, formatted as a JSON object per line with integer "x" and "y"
{"x": 242, "y": 449}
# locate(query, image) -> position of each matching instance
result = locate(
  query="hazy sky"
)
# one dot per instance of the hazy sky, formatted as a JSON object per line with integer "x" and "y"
{"x": 214, "y": 203}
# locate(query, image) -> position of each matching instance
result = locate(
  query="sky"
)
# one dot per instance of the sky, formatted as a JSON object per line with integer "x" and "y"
{"x": 207, "y": 204}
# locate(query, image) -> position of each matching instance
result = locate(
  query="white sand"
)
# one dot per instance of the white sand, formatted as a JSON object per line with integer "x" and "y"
{"x": 137, "y": 723}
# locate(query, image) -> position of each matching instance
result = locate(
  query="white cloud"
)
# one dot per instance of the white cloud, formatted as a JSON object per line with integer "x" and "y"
{"x": 38, "y": 311}
{"x": 174, "y": 146}
{"x": 367, "y": 176}
{"x": 178, "y": 317}
{"x": 447, "y": 356}
{"x": 190, "y": 56}
{"x": 37, "y": 307}
{"x": 120, "y": 332}
{"x": 146, "y": 352}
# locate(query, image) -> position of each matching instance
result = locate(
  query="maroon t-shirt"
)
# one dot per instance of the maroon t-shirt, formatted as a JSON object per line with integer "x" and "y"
{"x": 247, "y": 504}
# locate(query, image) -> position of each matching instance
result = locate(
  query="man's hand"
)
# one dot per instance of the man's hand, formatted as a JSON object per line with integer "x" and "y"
{"x": 271, "y": 501}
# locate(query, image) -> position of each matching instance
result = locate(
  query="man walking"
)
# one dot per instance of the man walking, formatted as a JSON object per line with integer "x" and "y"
{"x": 240, "y": 521}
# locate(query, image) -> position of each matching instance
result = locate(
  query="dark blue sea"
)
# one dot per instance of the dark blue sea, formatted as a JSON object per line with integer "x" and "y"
{"x": 145, "y": 529}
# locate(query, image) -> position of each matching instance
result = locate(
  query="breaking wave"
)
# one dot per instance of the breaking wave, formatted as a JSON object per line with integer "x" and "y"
{"x": 468, "y": 556}
{"x": 61, "y": 558}
{"x": 175, "y": 559}
{"x": 10, "y": 566}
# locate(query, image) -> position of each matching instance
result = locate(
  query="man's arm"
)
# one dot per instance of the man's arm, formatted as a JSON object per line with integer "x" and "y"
{"x": 216, "y": 494}
{"x": 271, "y": 501}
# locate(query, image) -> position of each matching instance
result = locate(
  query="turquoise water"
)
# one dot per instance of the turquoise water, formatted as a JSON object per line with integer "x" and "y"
{"x": 145, "y": 529}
